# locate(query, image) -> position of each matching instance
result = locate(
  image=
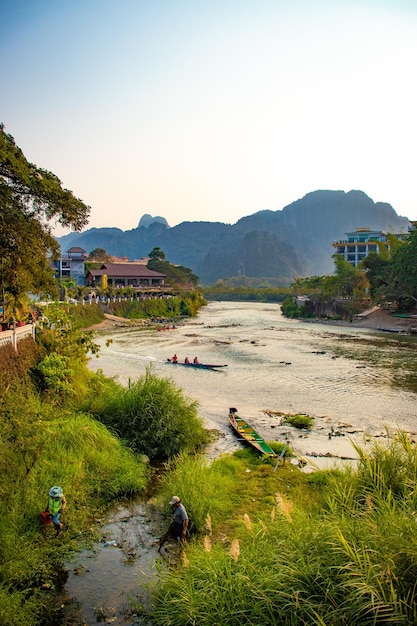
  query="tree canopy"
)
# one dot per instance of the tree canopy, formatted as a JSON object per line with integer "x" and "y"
{"x": 177, "y": 275}
{"x": 31, "y": 200}
{"x": 99, "y": 255}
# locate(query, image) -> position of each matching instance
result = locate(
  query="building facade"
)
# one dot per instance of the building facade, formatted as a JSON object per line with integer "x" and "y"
{"x": 361, "y": 242}
{"x": 136, "y": 275}
{"x": 70, "y": 266}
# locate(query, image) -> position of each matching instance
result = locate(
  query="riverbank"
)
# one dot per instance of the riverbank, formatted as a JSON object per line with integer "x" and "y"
{"x": 373, "y": 318}
{"x": 113, "y": 321}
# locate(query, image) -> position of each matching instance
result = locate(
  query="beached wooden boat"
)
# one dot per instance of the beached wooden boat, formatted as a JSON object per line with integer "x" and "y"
{"x": 247, "y": 434}
{"x": 398, "y": 331}
{"x": 203, "y": 366}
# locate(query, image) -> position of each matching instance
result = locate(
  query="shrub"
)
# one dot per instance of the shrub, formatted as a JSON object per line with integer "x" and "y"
{"x": 299, "y": 421}
{"x": 152, "y": 415}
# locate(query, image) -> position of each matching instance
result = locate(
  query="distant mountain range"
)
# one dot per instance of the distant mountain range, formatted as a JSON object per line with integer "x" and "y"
{"x": 271, "y": 245}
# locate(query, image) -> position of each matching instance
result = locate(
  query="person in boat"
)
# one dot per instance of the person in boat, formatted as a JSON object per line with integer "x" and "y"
{"x": 196, "y": 361}
{"x": 187, "y": 360}
{"x": 174, "y": 359}
{"x": 178, "y": 528}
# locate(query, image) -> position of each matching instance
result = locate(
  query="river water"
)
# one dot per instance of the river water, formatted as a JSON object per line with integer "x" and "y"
{"x": 346, "y": 378}
{"x": 354, "y": 382}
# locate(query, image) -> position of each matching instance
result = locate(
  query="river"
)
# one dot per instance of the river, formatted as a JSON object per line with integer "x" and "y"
{"x": 346, "y": 378}
{"x": 354, "y": 382}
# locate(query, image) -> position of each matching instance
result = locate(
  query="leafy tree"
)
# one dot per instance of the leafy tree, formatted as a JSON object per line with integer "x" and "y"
{"x": 99, "y": 255}
{"x": 350, "y": 281}
{"x": 177, "y": 275}
{"x": 404, "y": 273}
{"x": 157, "y": 254}
{"x": 377, "y": 269}
{"x": 31, "y": 199}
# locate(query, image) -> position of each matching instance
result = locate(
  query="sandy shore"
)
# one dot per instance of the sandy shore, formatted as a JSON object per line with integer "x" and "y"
{"x": 372, "y": 318}
{"x": 112, "y": 321}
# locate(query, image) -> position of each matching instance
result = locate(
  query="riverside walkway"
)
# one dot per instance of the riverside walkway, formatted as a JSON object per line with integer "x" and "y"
{"x": 16, "y": 334}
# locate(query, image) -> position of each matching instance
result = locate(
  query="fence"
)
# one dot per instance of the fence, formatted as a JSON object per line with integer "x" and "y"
{"x": 15, "y": 335}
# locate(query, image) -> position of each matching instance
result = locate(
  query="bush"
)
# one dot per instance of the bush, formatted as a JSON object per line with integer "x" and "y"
{"x": 299, "y": 421}
{"x": 152, "y": 415}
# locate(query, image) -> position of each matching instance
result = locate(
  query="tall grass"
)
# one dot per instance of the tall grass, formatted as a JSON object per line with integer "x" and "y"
{"x": 153, "y": 415}
{"x": 49, "y": 437}
{"x": 42, "y": 445}
{"x": 317, "y": 552}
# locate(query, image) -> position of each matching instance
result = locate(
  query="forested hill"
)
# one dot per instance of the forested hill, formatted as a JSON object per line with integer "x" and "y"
{"x": 284, "y": 244}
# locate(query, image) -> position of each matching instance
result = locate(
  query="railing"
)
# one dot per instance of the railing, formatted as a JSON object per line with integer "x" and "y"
{"x": 15, "y": 335}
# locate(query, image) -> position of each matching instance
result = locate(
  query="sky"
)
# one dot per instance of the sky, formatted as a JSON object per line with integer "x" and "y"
{"x": 211, "y": 110}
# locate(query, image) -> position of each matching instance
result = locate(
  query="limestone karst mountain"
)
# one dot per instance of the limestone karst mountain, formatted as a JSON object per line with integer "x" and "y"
{"x": 278, "y": 245}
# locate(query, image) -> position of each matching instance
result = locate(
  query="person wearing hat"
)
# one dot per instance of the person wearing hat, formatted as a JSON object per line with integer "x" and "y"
{"x": 56, "y": 504}
{"x": 178, "y": 527}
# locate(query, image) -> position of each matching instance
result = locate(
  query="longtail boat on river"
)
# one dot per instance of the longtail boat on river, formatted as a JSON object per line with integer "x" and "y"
{"x": 204, "y": 366}
{"x": 246, "y": 433}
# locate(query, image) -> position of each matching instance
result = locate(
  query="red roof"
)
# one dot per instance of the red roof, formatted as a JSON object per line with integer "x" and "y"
{"x": 126, "y": 270}
{"x": 77, "y": 250}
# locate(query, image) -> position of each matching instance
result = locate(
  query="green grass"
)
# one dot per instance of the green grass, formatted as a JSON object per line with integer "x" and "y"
{"x": 153, "y": 415}
{"x": 334, "y": 547}
{"x": 299, "y": 421}
{"x": 42, "y": 445}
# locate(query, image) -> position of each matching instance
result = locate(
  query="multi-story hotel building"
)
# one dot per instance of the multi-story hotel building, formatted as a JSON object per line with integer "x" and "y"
{"x": 361, "y": 242}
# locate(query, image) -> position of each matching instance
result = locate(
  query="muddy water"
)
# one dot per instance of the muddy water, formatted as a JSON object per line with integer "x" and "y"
{"x": 110, "y": 581}
{"x": 354, "y": 382}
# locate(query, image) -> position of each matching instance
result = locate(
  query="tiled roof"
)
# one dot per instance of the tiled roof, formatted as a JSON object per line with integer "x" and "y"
{"x": 77, "y": 250}
{"x": 126, "y": 270}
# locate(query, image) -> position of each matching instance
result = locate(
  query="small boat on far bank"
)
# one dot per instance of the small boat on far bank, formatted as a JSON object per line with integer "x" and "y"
{"x": 203, "y": 366}
{"x": 246, "y": 433}
{"x": 398, "y": 331}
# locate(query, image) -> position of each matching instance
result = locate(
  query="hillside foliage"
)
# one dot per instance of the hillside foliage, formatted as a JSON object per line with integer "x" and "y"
{"x": 30, "y": 198}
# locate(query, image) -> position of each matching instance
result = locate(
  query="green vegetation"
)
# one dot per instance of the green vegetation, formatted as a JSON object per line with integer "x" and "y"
{"x": 299, "y": 421}
{"x": 31, "y": 198}
{"x": 223, "y": 290}
{"x": 152, "y": 415}
{"x": 43, "y": 444}
{"x": 50, "y": 435}
{"x": 187, "y": 304}
{"x": 290, "y": 308}
{"x": 335, "y": 547}
{"x": 177, "y": 275}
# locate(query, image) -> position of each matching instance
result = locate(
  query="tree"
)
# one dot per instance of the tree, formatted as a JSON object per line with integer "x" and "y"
{"x": 31, "y": 198}
{"x": 377, "y": 269}
{"x": 404, "y": 272}
{"x": 99, "y": 255}
{"x": 157, "y": 254}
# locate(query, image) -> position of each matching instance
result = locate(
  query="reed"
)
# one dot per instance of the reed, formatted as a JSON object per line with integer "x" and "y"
{"x": 341, "y": 549}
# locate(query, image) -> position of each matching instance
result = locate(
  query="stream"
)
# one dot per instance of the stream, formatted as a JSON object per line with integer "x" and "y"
{"x": 352, "y": 381}
{"x": 108, "y": 584}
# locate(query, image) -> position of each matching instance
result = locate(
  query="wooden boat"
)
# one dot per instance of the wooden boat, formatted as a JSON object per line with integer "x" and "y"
{"x": 246, "y": 433}
{"x": 203, "y": 366}
{"x": 399, "y": 331}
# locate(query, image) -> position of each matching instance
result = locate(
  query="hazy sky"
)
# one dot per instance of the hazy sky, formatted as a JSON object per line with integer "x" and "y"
{"x": 213, "y": 109}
